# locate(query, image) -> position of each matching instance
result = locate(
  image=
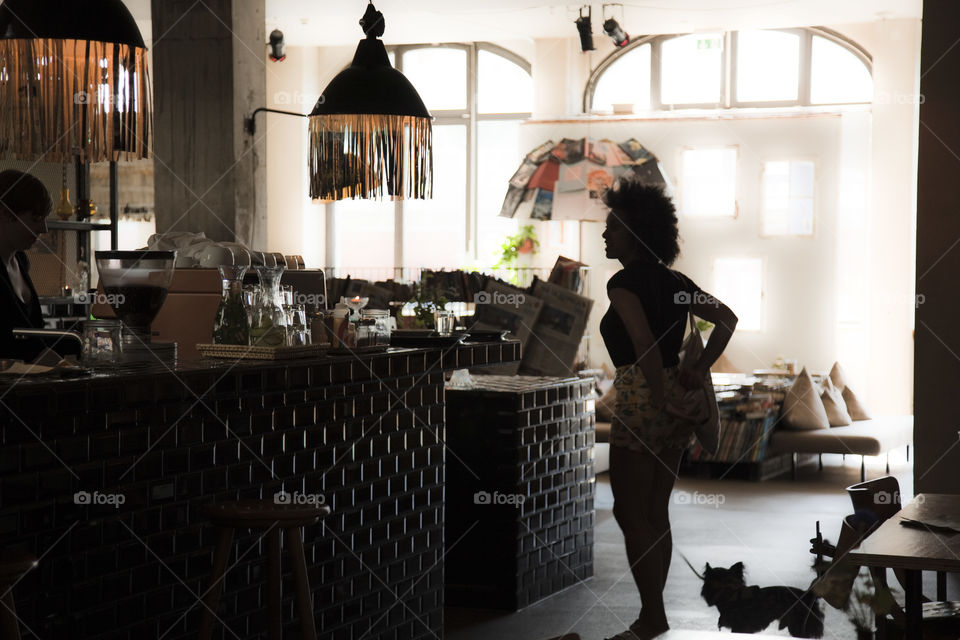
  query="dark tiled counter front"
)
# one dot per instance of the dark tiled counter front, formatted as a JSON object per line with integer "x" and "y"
{"x": 153, "y": 446}
{"x": 520, "y": 489}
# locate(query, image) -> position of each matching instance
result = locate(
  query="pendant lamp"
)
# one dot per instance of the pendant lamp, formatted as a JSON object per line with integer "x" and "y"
{"x": 73, "y": 82}
{"x": 370, "y": 131}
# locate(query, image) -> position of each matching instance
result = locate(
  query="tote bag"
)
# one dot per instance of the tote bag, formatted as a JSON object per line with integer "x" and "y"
{"x": 699, "y": 405}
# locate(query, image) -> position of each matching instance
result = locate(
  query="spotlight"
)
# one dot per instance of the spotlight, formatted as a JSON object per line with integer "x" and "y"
{"x": 612, "y": 28}
{"x": 278, "y": 50}
{"x": 586, "y": 30}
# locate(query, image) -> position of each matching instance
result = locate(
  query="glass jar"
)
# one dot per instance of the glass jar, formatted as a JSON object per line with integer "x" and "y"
{"x": 268, "y": 326}
{"x": 374, "y": 328}
{"x": 231, "y": 325}
{"x": 101, "y": 342}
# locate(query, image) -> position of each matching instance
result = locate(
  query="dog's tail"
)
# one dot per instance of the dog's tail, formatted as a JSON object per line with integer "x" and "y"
{"x": 805, "y": 619}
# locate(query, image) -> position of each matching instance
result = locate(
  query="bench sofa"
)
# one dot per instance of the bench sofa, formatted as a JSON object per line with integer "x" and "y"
{"x": 861, "y": 438}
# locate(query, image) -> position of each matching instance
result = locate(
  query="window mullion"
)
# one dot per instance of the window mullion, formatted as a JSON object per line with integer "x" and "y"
{"x": 806, "y": 58}
{"x": 655, "y": 102}
{"x": 471, "y": 226}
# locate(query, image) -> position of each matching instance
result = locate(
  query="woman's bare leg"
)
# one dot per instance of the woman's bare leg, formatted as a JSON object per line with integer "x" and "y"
{"x": 641, "y": 489}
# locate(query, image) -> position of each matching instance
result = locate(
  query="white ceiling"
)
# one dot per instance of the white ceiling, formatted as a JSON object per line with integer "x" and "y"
{"x": 334, "y": 22}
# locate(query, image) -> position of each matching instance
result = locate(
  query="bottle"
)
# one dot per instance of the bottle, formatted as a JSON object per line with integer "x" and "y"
{"x": 231, "y": 324}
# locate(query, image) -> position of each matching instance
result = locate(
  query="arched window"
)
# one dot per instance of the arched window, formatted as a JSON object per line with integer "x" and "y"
{"x": 764, "y": 68}
{"x": 478, "y": 94}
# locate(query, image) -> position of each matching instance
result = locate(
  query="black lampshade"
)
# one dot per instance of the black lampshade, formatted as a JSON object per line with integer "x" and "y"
{"x": 369, "y": 131}
{"x": 97, "y": 20}
{"x": 74, "y": 81}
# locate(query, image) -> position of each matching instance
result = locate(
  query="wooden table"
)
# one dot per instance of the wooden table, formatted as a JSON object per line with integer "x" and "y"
{"x": 914, "y": 550}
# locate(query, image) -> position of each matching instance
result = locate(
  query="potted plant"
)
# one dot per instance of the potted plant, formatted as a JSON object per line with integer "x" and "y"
{"x": 523, "y": 244}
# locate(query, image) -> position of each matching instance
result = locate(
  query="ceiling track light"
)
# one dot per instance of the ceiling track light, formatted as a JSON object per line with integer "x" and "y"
{"x": 585, "y": 29}
{"x": 613, "y": 29}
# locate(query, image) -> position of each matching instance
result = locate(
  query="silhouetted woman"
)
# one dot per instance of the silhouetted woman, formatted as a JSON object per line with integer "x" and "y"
{"x": 24, "y": 207}
{"x": 643, "y": 331}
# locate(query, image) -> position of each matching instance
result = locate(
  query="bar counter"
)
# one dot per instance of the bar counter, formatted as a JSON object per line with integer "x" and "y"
{"x": 104, "y": 479}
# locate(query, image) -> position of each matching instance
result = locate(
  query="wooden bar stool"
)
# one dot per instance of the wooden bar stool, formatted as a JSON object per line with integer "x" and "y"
{"x": 264, "y": 514}
{"x": 13, "y": 566}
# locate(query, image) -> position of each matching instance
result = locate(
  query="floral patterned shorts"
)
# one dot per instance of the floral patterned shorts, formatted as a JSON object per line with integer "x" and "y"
{"x": 639, "y": 425}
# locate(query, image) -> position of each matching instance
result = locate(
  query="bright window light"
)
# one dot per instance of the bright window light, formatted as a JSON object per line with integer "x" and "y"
{"x": 626, "y": 81}
{"x": 738, "y": 282}
{"x": 788, "y": 198}
{"x": 768, "y": 66}
{"x": 837, "y": 75}
{"x": 690, "y": 69}
{"x": 498, "y": 155}
{"x": 439, "y": 75}
{"x": 708, "y": 182}
{"x": 503, "y": 86}
{"x": 434, "y": 231}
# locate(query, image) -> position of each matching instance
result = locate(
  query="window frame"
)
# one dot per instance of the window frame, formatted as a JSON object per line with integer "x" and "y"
{"x": 736, "y": 184}
{"x": 816, "y": 192}
{"x": 728, "y": 99}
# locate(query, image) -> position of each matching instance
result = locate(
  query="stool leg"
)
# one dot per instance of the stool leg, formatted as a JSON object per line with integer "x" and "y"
{"x": 308, "y": 627}
{"x": 274, "y": 597}
{"x": 9, "y": 627}
{"x": 212, "y": 598}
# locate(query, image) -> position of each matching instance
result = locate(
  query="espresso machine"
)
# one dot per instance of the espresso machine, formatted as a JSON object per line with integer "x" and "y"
{"x": 135, "y": 284}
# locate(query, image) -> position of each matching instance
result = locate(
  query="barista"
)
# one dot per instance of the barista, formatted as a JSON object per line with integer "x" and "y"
{"x": 24, "y": 206}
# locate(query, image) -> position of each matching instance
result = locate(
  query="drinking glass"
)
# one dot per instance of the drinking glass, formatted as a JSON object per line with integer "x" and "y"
{"x": 444, "y": 321}
{"x": 298, "y": 331}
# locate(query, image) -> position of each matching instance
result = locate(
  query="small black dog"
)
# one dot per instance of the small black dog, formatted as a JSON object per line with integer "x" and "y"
{"x": 751, "y": 609}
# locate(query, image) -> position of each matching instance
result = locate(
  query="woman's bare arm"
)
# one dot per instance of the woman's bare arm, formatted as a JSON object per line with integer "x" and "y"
{"x": 725, "y": 321}
{"x": 628, "y": 306}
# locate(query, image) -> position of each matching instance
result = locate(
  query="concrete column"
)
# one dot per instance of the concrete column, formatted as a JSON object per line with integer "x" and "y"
{"x": 209, "y": 73}
{"x": 937, "y": 345}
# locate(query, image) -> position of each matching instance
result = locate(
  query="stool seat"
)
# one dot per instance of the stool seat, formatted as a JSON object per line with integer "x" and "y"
{"x": 281, "y": 516}
{"x": 262, "y": 514}
{"x": 14, "y": 564}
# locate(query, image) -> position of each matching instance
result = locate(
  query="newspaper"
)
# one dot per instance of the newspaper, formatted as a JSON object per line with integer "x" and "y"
{"x": 500, "y": 306}
{"x": 552, "y": 348}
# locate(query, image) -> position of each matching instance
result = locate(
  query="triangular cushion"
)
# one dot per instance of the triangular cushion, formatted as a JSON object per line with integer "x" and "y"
{"x": 834, "y": 405}
{"x": 854, "y": 407}
{"x": 802, "y": 408}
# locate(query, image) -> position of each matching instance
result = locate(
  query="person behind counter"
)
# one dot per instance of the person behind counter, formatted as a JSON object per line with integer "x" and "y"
{"x": 24, "y": 207}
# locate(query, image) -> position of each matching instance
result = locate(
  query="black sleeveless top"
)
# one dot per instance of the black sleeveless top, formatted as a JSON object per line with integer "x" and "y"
{"x": 16, "y": 314}
{"x": 665, "y": 295}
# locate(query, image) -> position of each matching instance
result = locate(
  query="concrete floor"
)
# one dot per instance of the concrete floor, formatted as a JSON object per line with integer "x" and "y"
{"x": 765, "y": 525}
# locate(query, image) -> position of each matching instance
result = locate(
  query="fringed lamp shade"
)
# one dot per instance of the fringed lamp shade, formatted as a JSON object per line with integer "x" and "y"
{"x": 73, "y": 82}
{"x": 370, "y": 133}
